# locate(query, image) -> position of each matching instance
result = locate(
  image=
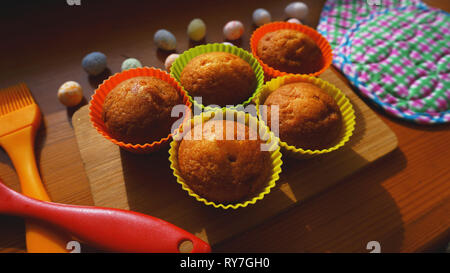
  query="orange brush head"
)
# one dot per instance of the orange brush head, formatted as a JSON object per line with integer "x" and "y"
{"x": 17, "y": 109}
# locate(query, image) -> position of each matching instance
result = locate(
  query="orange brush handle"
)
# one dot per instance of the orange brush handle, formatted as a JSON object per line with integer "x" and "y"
{"x": 20, "y": 147}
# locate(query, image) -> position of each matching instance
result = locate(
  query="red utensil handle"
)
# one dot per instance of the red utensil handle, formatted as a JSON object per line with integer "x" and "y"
{"x": 108, "y": 229}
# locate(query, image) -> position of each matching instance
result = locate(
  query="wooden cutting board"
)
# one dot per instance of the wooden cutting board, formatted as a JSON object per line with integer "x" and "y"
{"x": 145, "y": 183}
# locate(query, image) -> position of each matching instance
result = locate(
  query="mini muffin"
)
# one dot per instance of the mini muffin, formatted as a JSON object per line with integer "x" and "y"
{"x": 223, "y": 170}
{"x": 290, "y": 51}
{"x": 220, "y": 78}
{"x": 138, "y": 110}
{"x": 309, "y": 118}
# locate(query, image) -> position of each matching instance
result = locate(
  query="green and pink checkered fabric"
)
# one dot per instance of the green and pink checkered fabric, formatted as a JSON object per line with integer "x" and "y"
{"x": 339, "y": 15}
{"x": 400, "y": 58}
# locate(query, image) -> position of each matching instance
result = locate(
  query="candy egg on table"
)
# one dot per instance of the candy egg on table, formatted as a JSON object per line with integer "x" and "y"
{"x": 70, "y": 93}
{"x": 164, "y": 39}
{"x": 233, "y": 30}
{"x": 261, "y": 17}
{"x": 94, "y": 63}
{"x": 294, "y": 21}
{"x": 196, "y": 29}
{"x": 169, "y": 60}
{"x": 297, "y": 10}
{"x": 227, "y": 43}
{"x": 131, "y": 63}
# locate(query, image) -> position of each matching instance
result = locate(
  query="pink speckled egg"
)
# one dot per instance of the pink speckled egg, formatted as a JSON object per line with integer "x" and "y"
{"x": 233, "y": 30}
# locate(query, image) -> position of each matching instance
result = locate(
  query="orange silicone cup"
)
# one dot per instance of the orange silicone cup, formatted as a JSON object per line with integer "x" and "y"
{"x": 96, "y": 106}
{"x": 321, "y": 42}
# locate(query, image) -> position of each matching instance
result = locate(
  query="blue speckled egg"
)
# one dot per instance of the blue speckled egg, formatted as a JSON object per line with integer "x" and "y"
{"x": 131, "y": 63}
{"x": 297, "y": 10}
{"x": 94, "y": 63}
{"x": 164, "y": 39}
{"x": 261, "y": 17}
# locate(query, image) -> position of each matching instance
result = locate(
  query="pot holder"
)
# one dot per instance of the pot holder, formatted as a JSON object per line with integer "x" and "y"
{"x": 339, "y": 15}
{"x": 400, "y": 59}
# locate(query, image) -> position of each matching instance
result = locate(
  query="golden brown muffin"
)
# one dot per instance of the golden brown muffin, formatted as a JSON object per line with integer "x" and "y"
{"x": 220, "y": 78}
{"x": 222, "y": 170}
{"x": 291, "y": 51}
{"x": 309, "y": 118}
{"x": 138, "y": 110}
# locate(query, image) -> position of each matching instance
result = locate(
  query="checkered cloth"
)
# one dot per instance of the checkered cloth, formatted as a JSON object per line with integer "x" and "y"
{"x": 400, "y": 58}
{"x": 339, "y": 15}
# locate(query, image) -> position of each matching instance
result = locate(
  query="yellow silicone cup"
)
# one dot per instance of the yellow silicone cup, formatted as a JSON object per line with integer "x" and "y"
{"x": 348, "y": 114}
{"x": 185, "y": 57}
{"x": 263, "y": 132}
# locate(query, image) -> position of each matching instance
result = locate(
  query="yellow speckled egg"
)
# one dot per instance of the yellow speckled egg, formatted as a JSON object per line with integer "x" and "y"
{"x": 70, "y": 93}
{"x": 196, "y": 29}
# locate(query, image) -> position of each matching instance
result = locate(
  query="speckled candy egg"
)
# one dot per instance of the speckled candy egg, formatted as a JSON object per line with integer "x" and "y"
{"x": 297, "y": 10}
{"x": 294, "y": 21}
{"x": 94, "y": 63}
{"x": 228, "y": 43}
{"x": 261, "y": 17}
{"x": 131, "y": 63}
{"x": 164, "y": 39}
{"x": 233, "y": 30}
{"x": 196, "y": 29}
{"x": 169, "y": 61}
{"x": 70, "y": 93}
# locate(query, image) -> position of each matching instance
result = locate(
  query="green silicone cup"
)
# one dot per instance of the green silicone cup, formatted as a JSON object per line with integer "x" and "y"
{"x": 185, "y": 57}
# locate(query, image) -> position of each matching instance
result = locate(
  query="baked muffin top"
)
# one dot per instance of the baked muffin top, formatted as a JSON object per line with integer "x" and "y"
{"x": 291, "y": 51}
{"x": 220, "y": 78}
{"x": 224, "y": 170}
{"x": 309, "y": 118}
{"x": 138, "y": 110}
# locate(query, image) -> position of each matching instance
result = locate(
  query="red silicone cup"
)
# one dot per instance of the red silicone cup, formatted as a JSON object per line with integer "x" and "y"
{"x": 321, "y": 42}
{"x": 97, "y": 100}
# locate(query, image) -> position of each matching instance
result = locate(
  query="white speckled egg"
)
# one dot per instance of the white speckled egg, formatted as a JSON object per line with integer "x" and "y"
{"x": 164, "y": 39}
{"x": 196, "y": 29}
{"x": 169, "y": 61}
{"x": 261, "y": 17}
{"x": 233, "y": 30}
{"x": 297, "y": 10}
{"x": 227, "y": 43}
{"x": 70, "y": 93}
{"x": 294, "y": 21}
{"x": 131, "y": 63}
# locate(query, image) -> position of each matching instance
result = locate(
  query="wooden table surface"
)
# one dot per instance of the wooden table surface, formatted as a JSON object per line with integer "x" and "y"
{"x": 401, "y": 201}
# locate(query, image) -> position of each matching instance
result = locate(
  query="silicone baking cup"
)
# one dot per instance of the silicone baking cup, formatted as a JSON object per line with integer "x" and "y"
{"x": 263, "y": 132}
{"x": 96, "y": 106}
{"x": 348, "y": 114}
{"x": 185, "y": 57}
{"x": 321, "y": 42}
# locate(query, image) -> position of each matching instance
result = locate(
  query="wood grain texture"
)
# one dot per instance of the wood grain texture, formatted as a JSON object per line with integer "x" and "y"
{"x": 401, "y": 200}
{"x": 145, "y": 183}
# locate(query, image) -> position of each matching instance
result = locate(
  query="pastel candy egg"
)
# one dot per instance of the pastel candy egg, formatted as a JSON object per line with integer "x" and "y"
{"x": 170, "y": 60}
{"x": 70, "y": 93}
{"x": 227, "y": 43}
{"x": 261, "y": 17}
{"x": 196, "y": 29}
{"x": 294, "y": 21}
{"x": 94, "y": 63}
{"x": 164, "y": 39}
{"x": 297, "y": 10}
{"x": 131, "y": 63}
{"x": 233, "y": 30}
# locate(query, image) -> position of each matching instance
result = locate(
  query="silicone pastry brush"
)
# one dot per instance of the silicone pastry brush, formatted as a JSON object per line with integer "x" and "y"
{"x": 20, "y": 118}
{"x": 108, "y": 229}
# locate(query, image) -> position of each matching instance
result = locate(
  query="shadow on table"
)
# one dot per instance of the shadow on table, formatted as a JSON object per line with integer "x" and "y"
{"x": 344, "y": 218}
